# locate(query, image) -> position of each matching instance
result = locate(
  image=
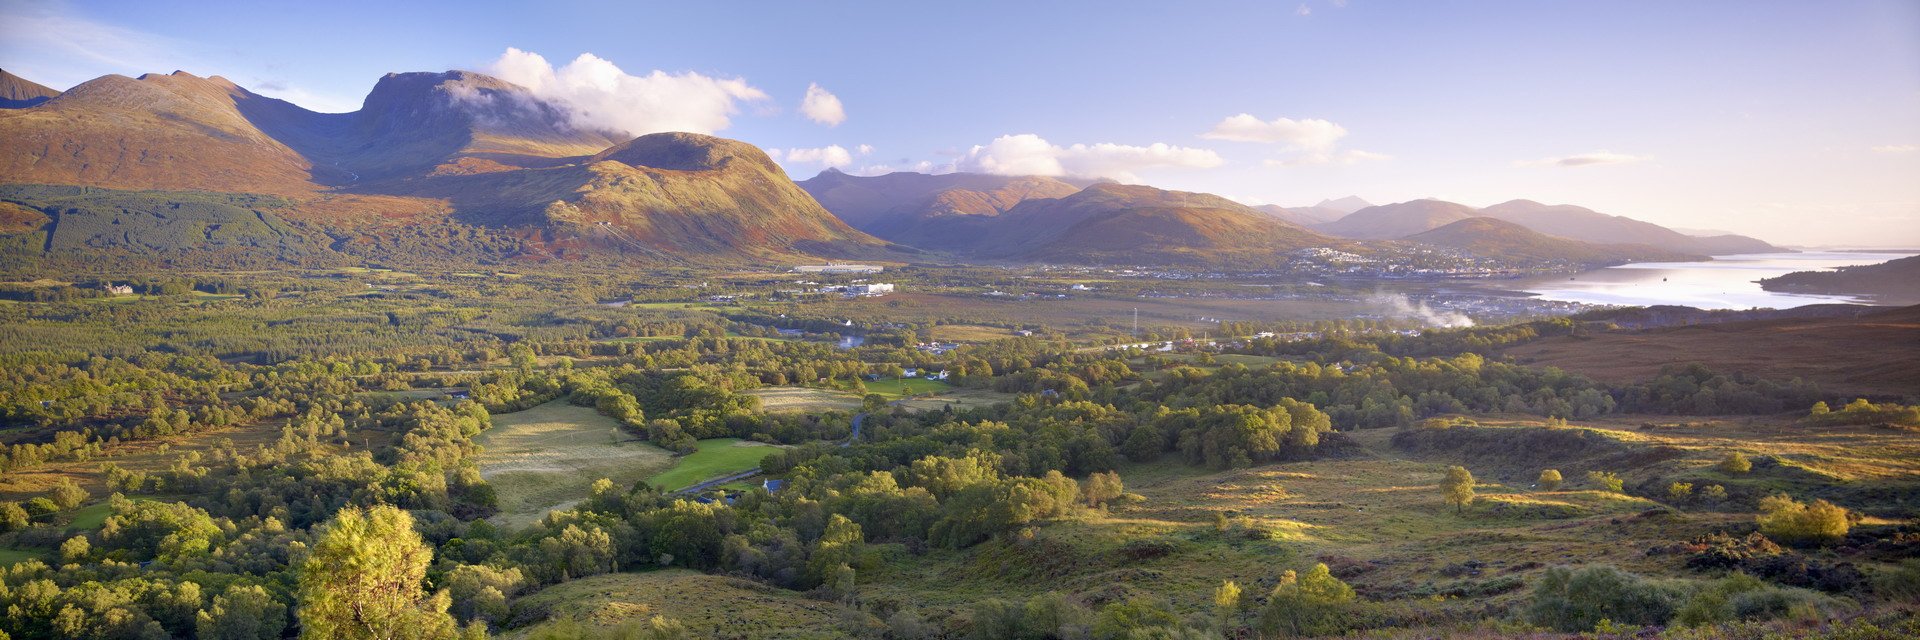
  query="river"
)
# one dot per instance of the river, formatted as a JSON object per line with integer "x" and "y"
{"x": 1726, "y": 282}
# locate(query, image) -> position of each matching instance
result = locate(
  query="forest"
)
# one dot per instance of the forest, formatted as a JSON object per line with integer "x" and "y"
{"x": 232, "y": 456}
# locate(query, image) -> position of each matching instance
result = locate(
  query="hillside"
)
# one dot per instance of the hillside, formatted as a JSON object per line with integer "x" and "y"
{"x": 1493, "y": 238}
{"x": 1587, "y": 225}
{"x": 1389, "y": 221}
{"x": 439, "y": 167}
{"x": 19, "y": 93}
{"x": 894, "y": 205}
{"x": 1131, "y": 224}
{"x": 1878, "y": 349}
{"x": 1894, "y": 281}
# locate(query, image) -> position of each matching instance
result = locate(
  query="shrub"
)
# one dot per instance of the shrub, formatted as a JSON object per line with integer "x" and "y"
{"x": 1735, "y": 463}
{"x": 1607, "y": 480}
{"x": 1550, "y": 480}
{"x": 1713, "y": 494}
{"x": 1313, "y": 604}
{"x": 1680, "y": 491}
{"x": 1574, "y": 600}
{"x": 1785, "y": 519}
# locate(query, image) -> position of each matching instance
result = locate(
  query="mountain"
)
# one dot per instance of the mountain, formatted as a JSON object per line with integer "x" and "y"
{"x": 447, "y": 167}
{"x": 1587, "y": 225}
{"x": 895, "y": 205}
{"x": 1111, "y": 223}
{"x": 1389, "y": 221}
{"x": 1494, "y": 238}
{"x": 665, "y": 195}
{"x": 1303, "y": 216}
{"x": 19, "y": 93}
{"x": 1894, "y": 281}
{"x": 1345, "y": 205}
{"x": 174, "y": 131}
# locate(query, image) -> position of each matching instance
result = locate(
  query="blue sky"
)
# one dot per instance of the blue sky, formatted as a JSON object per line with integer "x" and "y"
{"x": 1795, "y": 121}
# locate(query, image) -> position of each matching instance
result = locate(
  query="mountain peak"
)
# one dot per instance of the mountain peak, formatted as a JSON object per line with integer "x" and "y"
{"x": 681, "y": 151}
{"x": 19, "y": 93}
{"x": 1348, "y": 204}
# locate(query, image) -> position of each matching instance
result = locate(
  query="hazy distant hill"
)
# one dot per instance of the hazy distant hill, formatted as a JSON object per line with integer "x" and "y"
{"x": 1893, "y": 281}
{"x": 1130, "y": 224}
{"x": 895, "y": 205}
{"x": 434, "y": 166}
{"x": 1389, "y": 221}
{"x": 19, "y": 93}
{"x": 1587, "y": 225}
{"x": 1496, "y": 238}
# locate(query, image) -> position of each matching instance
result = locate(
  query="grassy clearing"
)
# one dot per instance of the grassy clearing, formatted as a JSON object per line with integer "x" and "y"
{"x": 959, "y": 398}
{"x": 804, "y": 399}
{"x": 970, "y": 333}
{"x": 709, "y": 606}
{"x": 9, "y": 555}
{"x": 897, "y": 388}
{"x": 547, "y": 457}
{"x": 716, "y": 457}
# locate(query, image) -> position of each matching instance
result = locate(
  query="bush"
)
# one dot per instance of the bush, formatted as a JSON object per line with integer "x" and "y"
{"x": 1574, "y": 600}
{"x": 1735, "y": 464}
{"x": 1550, "y": 480}
{"x": 1314, "y": 604}
{"x": 1787, "y": 520}
{"x": 1607, "y": 480}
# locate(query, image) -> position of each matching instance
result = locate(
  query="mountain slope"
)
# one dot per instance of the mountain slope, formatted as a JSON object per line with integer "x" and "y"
{"x": 891, "y": 206}
{"x": 1587, "y": 225}
{"x": 1896, "y": 281}
{"x": 174, "y": 131}
{"x": 1127, "y": 224}
{"x": 19, "y": 93}
{"x": 678, "y": 196}
{"x": 440, "y": 167}
{"x": 1388, "y": 221}
{"x": 1494, "y": 238}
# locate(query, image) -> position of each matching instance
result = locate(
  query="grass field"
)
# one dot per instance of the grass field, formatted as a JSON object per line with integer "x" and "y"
{"x": 716, "y": 457}
{"x": 9, "y": 555}
{"x": 547, "y": 457}
{"x": 890, "y": 388}
{"x": 959, "y": 397}
{"x": 969, "y": 333}
{"x": 710, "y": 606}
{"x": 804, "y": 399}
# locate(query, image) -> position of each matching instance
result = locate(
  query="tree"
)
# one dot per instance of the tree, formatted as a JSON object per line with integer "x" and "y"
{"x": 1101, "y": 488}
{"x": 1680, "y": 491}
{"x": 68, "y": 495}
{"x": 1458, "y": 487}
{"x": 1576, "y": 600}
{"x": 1550, "y": 480}
{"x": 1313, "y": 604}
{"x": 1735, "y": 463}
{"x": 1226, "y": 601}
{"x": 364, "y": 581}
{"x": 13, "y": 517}
{"x": 243, "y": 612}
{"x": 1787, "y": 520}
{"x": 75, "y": 550}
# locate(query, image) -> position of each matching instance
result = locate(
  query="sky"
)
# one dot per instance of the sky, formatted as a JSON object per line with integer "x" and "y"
{"x": 1797, "y": 122}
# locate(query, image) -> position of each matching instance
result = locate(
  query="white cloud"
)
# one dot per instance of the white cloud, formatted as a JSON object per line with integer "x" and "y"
{"x": 822, "y": 106}
{"x": 1312, "y": 134}
{"x": 1029, "y": 154}
{"x": 827, "y": 156}
{"x": 598, "y": 95}
{"x": 1897, "y": 148}
{"x": 1303, "y": 11}
{"x": 1583, "y": 159}
{"x": 864, "y": 149}
{"x": 1313, "y": 140}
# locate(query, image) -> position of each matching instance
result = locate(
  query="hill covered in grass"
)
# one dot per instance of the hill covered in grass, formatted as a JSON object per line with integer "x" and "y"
{"x": 1493, "y": 238}
{"x": 1896, "y": 281}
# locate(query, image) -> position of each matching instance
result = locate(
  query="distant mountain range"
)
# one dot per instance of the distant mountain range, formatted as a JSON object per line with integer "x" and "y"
{"x": 1570, "y": 222}
{"x": 454, "y": 166}
{"x": 460, "y": 167}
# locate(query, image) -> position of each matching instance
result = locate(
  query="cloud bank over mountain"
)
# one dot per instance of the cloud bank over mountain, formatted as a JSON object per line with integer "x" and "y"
{"x": 597, "y": 94}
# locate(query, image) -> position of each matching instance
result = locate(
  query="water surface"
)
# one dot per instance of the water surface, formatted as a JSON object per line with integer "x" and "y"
{"x": 1726, "y": 282}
